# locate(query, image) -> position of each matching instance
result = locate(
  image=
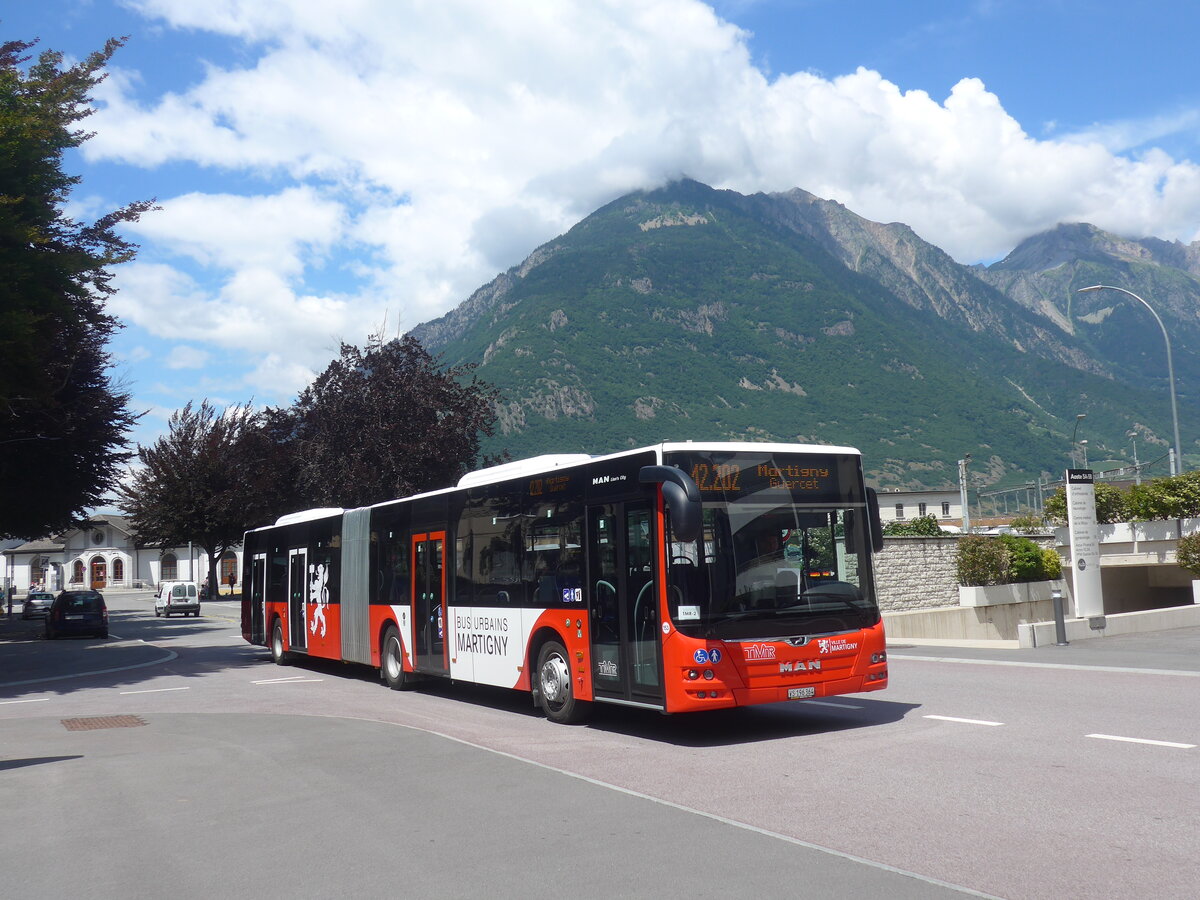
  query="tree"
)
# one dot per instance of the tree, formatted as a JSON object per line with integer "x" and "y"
{"x": 386, "y": 421}
{"x": 1112, "y": 505}
{"x": 1177, "y": 497}
{"x": 198, "y": 483}
{"x": 63, "y": 421}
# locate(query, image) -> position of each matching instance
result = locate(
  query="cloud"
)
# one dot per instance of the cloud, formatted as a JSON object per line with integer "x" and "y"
{"x": 408, "y": 151}
{"x": 184, "y": 357}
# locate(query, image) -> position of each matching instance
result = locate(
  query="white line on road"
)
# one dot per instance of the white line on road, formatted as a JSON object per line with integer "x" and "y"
{"x": 295, "y": 679}
{"x": 1039, "y": 665}
{"x": 31, "y": 700}
{"x": 1131, "y": 740}
{"x": 156, "y": 690}
{"x": 964, "y": 721}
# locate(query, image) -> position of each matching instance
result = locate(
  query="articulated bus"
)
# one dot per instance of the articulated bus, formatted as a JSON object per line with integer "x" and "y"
{"x": 679, "y": 577}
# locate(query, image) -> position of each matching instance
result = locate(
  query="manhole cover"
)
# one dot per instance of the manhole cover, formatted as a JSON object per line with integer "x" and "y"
{"x": 91, "y": 723}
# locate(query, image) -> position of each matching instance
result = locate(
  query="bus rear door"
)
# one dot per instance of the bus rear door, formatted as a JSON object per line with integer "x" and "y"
{"x": 623, "y": 604}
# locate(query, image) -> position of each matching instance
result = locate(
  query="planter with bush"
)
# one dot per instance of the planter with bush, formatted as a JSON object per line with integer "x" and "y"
{"x": 1004, "y": 569}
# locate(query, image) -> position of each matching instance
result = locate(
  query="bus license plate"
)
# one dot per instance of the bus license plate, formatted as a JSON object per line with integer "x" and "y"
{"x": 801, "y": 693}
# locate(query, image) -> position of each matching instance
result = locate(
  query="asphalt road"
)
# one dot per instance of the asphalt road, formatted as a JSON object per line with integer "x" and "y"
{"x": 1059, "y": 772}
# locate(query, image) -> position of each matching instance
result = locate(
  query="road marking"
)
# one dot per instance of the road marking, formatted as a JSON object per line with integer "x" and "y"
{"x": 964, "y": 721}
{"x": 295, "y": 679}
{"x": 834, "y": 705}
{"x": 31, "y": 700}
{"x": 156, "y": 690}
{"x": 1040, "y": 665}
{"x": 1131, "y": 740}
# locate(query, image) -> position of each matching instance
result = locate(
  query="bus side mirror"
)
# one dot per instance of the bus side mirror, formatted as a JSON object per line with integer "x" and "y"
{"x": 682, "y": 498}
{"x": 875, "y": 523}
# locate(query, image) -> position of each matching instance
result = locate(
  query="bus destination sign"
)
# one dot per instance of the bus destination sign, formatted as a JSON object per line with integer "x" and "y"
{"x": 809, "y": 477}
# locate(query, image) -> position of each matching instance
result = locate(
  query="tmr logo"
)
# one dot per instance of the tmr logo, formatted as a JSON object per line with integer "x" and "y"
{"x": 760, "y": 651}
{"x": 800, "y": 665}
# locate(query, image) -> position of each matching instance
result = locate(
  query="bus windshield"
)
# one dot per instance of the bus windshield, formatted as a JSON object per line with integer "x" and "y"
{"x": 776, "y": 557}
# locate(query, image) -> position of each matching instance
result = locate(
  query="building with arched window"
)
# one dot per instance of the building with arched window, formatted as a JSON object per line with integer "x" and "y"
{"x": 105, "y": 554}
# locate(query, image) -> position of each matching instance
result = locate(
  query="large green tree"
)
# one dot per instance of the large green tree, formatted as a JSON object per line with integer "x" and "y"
{"x": 63, "y": 420}
{"x": 201, "y": 482}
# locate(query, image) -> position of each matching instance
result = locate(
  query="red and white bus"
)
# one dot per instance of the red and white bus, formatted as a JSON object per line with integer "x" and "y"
{"x": 679, "y": 577}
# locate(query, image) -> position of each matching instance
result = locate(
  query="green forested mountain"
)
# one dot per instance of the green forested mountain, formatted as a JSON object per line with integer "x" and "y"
{"x": 690, "y": 313}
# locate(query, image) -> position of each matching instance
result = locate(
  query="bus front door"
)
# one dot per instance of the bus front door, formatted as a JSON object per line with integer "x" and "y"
{"x": 298, "y": 599}
{"x": 626, "y": 642}
{"x": 429, "y": 602}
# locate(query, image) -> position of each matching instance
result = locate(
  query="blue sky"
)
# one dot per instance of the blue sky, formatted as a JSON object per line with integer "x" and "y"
{"x": 328, "y": 170}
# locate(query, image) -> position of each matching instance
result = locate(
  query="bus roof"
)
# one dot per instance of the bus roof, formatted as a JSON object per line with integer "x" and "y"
{"x": 547, "y": 462}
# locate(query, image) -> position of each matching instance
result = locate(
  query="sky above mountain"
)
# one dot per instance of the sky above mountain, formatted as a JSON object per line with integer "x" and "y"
{"x": 330, "y": 170}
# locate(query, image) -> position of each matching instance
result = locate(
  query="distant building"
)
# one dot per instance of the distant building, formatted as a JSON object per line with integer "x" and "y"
{"x": 105, "y": 554}
{"x": 904, "y": 506}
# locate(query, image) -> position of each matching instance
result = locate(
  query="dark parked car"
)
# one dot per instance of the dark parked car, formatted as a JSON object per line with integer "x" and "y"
{"x": 77, "y": 612}
{"x": 37, "y": 604}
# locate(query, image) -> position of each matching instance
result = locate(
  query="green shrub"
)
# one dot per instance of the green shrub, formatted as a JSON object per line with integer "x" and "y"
{"x": 1188, "y": 553}
{"x": 1006, "y": 559}
{"x": 922, "y": 526}
{"x": 981, "y": 561}
{"x": 1024, "y": 559}
{"x": 1051, "y": 564}
{"x": 1028, "y": 524}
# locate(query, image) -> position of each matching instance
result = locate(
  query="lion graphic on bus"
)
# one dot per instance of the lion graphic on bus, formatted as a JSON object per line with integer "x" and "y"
{"x": 318, "y": 588}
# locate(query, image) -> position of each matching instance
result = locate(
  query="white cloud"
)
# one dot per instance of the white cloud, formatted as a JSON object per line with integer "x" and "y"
{"x": 184, "y": 357}
{"x": 414, "y": 149}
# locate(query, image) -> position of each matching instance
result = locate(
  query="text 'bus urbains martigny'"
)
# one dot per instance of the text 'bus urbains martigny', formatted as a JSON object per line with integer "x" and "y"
{"x": 680, "y": 577}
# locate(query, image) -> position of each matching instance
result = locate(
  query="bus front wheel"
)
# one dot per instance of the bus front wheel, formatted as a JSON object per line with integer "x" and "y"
{"x": 555, "y": 691}
{"x": 391, "y": 662}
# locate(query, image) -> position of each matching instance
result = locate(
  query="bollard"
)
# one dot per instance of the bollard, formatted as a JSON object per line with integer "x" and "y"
{"x": 1060, "y": 626}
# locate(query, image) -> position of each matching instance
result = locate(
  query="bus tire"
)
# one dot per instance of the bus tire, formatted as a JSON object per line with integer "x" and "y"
{"x": 391, "y": 662}
{"x": 278, "y": 654}
{"x": 555, "y": 690}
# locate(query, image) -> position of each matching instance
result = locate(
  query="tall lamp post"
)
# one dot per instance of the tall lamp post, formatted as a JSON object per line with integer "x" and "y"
{"x": 1137, "y": 469}
{"x": 1079, "y": 417}
{"x": 1177, "y": 462}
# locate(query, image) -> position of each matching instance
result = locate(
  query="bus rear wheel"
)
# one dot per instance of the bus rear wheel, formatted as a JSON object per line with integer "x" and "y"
{"x": 555, "y": 691}
{"x": 278, "y": 654}
{"x": 391, "y": 662}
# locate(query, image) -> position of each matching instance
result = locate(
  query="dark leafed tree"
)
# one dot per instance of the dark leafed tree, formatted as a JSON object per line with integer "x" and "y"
{"x": 63, "y": 421}
{"x": 200, "y": 482}
{"x": 387, "y": 421}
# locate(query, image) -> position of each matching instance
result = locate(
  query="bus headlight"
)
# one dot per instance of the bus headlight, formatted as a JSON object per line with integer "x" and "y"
{"x": 878, "y": 657}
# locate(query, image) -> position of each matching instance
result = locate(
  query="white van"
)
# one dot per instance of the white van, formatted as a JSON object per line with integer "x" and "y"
{"x": 177, "y": 597}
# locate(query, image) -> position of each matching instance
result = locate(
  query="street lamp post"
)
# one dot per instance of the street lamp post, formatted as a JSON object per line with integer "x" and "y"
{"x": 1083, "y": 447}
{"x": 1177, "y": 462}
{"x": 1137, "y": 470}
{"x": 1074, "y": 431}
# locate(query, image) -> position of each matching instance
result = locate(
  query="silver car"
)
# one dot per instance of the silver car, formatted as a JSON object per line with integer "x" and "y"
{"x": 37, "y": 604}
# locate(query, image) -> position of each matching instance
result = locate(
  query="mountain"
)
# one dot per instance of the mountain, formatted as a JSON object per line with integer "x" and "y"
{"x": 692, "y": 313}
